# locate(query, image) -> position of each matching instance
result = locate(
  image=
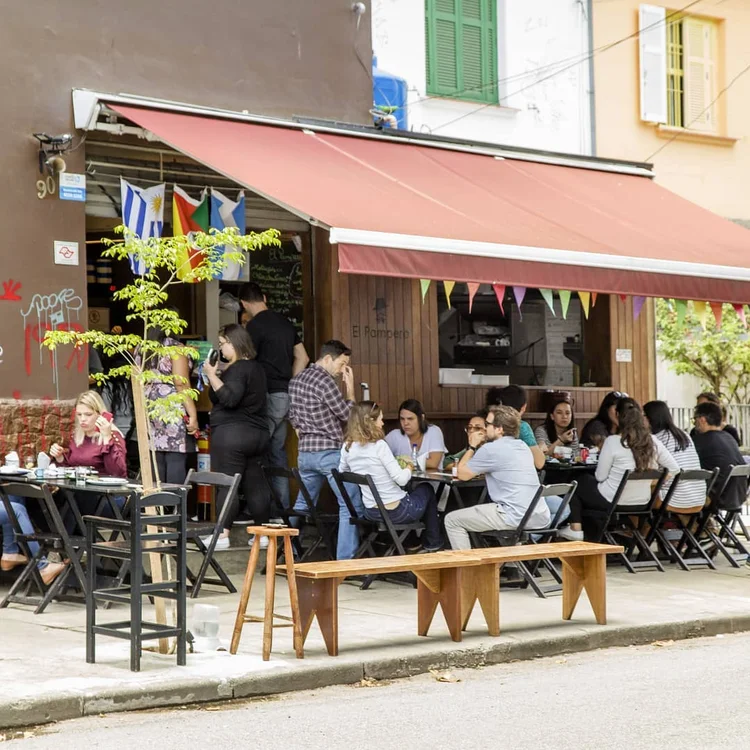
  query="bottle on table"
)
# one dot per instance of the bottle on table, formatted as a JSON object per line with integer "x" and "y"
{"x": 414, "y": 457}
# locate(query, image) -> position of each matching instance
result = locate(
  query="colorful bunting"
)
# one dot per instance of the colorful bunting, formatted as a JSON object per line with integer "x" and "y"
{"x": 473, "y": 287}
{"x": 499, "y": 290}
{"x": 701, "y": 311}
{"x": 549, "y": 298}
{"x": 717, "y": 309}
{"x": 424, "y": 285}
{"x": 448, "y": 285}
{"x": 637, "y": 306}
{"x": 740, "y": 310}
{"x": 681, "y": 308}
{"x": 594, "y": 295}
{"x": 585, "y": 298}
{"x": 519, "y": 292}
{"x": 624, "y": 297}
{"x": 564, "y": 302}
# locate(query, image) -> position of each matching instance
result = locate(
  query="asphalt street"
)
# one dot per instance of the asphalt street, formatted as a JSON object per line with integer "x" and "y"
{"x": 689, "y": 694}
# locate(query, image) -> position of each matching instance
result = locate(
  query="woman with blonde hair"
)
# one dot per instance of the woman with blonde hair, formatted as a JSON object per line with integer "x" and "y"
{"x": 366, "y": 452}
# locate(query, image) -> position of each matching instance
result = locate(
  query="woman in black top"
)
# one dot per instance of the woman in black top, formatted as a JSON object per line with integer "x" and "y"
{"x": 239, "y": 429}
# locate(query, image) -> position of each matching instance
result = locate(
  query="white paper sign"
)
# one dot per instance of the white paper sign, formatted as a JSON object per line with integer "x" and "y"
{"x": 66, "y": 253}
{"x": 623, "y": 355}
{"x": 72, "y": 186}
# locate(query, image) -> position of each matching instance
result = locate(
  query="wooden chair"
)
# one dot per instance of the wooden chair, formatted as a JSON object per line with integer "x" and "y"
{"x": 273, "y": 535}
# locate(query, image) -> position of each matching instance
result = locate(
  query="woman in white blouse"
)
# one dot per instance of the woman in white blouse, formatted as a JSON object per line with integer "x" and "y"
{"x": 414, "y": 430}
{"x": 366, "y": 452}
{"x": 633, "y": 448}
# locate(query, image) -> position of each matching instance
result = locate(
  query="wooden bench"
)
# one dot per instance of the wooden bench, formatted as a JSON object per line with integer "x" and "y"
{"x": 455, "y": 580}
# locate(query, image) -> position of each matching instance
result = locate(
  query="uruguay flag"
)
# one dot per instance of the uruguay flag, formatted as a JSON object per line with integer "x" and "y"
{"x": 228, "y": 213}
{"x": 142, "y": 214}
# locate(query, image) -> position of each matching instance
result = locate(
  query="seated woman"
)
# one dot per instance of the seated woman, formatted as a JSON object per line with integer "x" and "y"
{"x": 634, "y": 448}
{"x": 476, "y": 425}
{"x": 687, "y": 495}
{"x": 604, "y": 423}
{"x": 558, "y": 429}
{"x": 366, "y": 452}
{"x": 415, "y": 430}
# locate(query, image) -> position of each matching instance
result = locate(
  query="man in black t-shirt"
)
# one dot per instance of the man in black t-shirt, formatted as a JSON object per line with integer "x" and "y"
{"x": 282, "y": 355}
{"x": 718, "y": 449}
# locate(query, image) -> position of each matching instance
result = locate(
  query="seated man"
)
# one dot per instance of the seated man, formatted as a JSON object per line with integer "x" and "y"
{"x": 515, "y": 397}
{"x": 511, "y": 478}
{"x": 718, "y": 449}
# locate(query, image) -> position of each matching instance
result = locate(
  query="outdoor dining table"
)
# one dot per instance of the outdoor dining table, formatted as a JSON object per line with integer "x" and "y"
{"x": 456, "y": 486}
{"x": 556, "y": 472}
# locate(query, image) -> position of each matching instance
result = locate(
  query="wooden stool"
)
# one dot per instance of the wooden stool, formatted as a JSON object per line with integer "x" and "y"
{"x": 268, "y": 624}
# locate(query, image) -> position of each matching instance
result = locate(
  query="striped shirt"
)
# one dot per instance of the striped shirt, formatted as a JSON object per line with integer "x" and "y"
{"x": 688, "y": 494}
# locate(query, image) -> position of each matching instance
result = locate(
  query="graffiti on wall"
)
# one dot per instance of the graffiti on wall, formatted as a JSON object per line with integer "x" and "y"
{"x": 10, "y": 291}
{"x": 58, "y": 311}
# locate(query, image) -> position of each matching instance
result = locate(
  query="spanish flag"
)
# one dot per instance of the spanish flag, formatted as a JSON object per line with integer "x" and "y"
{"x": 188, "y": 216}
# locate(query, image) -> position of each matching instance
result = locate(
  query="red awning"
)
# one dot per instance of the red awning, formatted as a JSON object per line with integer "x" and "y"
{"x": 401, "y": 209}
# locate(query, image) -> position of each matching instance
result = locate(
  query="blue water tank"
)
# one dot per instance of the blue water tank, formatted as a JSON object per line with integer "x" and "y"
{"x": 389, "y": 91}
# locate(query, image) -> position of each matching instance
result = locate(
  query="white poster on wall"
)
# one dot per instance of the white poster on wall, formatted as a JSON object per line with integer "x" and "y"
{"x": 66, "y": 253}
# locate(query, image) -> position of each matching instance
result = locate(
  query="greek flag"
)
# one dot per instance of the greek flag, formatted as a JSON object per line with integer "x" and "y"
{"x": 228, "y": 213}
{"x": 143, "y": 214}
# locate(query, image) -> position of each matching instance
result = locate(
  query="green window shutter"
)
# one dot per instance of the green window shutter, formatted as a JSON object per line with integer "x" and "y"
{"x": 462, "y": 49}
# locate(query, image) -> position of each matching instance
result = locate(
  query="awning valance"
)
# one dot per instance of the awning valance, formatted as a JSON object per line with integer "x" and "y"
{"x": 409, "y": 210}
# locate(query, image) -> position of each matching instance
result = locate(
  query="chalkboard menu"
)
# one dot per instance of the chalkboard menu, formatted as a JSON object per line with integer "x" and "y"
{"x": 278, "y": 272}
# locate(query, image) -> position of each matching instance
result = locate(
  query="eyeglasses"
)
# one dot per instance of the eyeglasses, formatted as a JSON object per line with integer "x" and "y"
{"x": 222, "y": 343}
{"x": 488, "y": 424}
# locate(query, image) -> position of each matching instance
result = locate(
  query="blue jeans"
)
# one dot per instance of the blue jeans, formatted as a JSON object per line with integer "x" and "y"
{"x": 10, "y": 546}
{"x": 314, "y": 469}
{"x": 419, "y": 505}
{"x": 277, "y": 409}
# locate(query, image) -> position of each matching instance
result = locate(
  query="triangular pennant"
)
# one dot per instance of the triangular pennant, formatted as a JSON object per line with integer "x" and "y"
{"x": 701, "y": 311}
{"x": 425, "y": 285}
{"x": 519, "y": 292}
{"x": 594, "y": 295}
{"x": 740, "y": 310}
{"x": 637, "y": 306}
{"x": 681, "y": 308}
{"x": 473, "y": 287}
{"x": 448, "y": 286}
{"x": 585, "y": 298}
{"x": 549, "y": 298}
{"x": 564, "y": 302}
{"x": 499, "y": 290}
{"x": 717, "y": 309}
{"x": 623, "y": 297}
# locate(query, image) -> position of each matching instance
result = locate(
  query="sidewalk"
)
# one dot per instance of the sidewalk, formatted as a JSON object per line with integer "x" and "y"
{"x": 45, "y": 676}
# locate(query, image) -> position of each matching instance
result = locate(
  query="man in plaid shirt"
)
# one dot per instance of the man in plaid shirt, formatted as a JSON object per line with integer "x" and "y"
{"x": 318, "y": 412}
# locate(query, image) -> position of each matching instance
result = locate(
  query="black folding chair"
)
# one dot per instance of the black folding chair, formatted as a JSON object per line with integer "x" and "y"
{"x": 525, "y": 535}
{"x": 57, "y": 539}
{"x": 325, "y": 523}
{"x": 198, "y": 529}
{"x": 687, "y": 522}
{"x": 394, "y": 533}
{"x": 629, "y": 521}
{"x": 725, "y": 539}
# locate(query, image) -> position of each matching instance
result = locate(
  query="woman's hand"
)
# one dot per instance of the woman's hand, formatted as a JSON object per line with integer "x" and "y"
{"x": 210, "y": 369}
{"x": 476, "y": 440}
{"x": 191, "y": 425}
{"x": 56, "y": 451}
{"x": 566, "y": 437}
{"x": 105, "y": 429}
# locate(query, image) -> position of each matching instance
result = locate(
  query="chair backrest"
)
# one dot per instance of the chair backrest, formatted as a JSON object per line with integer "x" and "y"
{"x": 658, "y": 476}
{"x": 211, "y": 478}
{"x": 741, "y": 471}
{"x": 347, "y": 477}
{"x": 566, "y": 491}
{"x": 161, "y": 500}
{"x": 41, "y": 493}
{"x": 691, "y": 475}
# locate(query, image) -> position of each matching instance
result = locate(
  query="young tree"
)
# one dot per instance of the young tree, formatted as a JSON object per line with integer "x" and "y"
{"x": 718, "y": 356}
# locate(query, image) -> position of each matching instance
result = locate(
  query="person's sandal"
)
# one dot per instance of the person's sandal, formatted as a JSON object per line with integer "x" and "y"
{"x": 8, "y": 562}
{"x": 51, "y": 571}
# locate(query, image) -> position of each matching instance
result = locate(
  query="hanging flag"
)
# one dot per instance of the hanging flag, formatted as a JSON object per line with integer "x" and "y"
{"x": 701, "y": 311}
{"x": 519, "y": 292}
{"x": 594, "y": 295}
{"x": 549, "y": 298}
{"x": 424, "y": 285}
{"x": 143, "y": 214}
{"x": 188, "y": 216}
{"x": 499, "y": 290}
{"x": 585, "y": 298}
{"x": 740, "y": 310}
{"x": 637, "y": 306}
{"x": 225, "y": 213}
{"x": 623, "y": 297}
{"x": 564, "y": 302}
{"x": 717, "y": 309}
{"x": 448, "y": 286}
{"x": 681, "y": 308}
{"x": 473, "y": 287}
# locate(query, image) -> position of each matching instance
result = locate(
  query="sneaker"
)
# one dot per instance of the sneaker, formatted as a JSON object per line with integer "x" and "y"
{"x": 221, "y": 543}
{"x": 567, "y": 533}
{"x": 263, "y": 541}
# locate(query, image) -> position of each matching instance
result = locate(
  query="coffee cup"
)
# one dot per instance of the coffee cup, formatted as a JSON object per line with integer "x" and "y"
{"x": 12, "y": 461}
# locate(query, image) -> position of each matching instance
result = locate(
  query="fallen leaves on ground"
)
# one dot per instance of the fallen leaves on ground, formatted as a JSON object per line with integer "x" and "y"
{"x": 663, "y": 643}
{"x": 367, "y": 682}
{"x": 441, "y": 676}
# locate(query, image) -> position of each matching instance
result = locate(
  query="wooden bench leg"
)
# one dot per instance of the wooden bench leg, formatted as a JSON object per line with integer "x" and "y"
{"x": 589, "y": 572}
{"x": 443, "y": 587}
{"x": 320, "y": 598}
{"x": 252, "y": 563}
{"x": 482, "y": 583}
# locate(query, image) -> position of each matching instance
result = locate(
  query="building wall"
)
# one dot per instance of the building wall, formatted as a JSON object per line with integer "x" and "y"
{"x": 290, "y": 57}
{"x": 548, "y": 114}
{"x": 711, "y": 172}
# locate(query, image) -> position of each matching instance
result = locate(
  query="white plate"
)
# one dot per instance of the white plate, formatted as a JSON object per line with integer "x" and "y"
{"x": 107, "y": 481}
{"x": 12, "y": 471}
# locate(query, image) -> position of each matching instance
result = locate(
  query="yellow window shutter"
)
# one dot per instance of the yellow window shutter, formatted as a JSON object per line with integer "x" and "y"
{"x": 700, "y": 74}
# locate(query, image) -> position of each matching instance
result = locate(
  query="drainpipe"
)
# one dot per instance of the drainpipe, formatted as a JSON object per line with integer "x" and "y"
{"x": 592, "y": 91}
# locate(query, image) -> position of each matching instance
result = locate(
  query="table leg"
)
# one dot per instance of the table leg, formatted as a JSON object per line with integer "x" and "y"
{"x": 320, "y": 598}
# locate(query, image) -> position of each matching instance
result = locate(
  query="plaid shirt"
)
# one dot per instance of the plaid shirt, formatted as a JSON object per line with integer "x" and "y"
{"x": 317, "y": 410}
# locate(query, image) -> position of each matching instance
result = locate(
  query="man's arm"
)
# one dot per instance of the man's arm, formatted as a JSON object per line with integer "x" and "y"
{"x": 463, "y": 471}
{"x": 301, "y": 359}
{"x": 538, "y": 454}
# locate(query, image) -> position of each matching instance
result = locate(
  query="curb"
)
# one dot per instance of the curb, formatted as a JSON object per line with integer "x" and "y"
{"x": 64, "y": 705}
